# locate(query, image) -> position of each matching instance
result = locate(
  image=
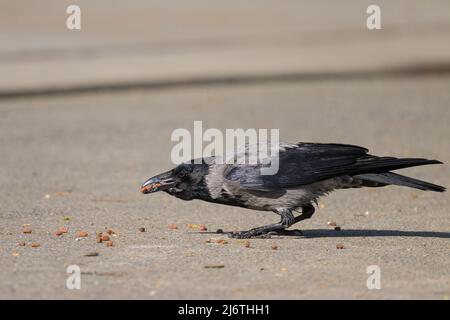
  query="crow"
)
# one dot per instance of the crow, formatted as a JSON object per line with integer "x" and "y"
{"x": 306, "y": 171}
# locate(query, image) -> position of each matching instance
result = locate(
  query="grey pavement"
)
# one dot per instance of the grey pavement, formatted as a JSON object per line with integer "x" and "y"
{"x": 77, "y": 160}
{"x": 90, "y": 154}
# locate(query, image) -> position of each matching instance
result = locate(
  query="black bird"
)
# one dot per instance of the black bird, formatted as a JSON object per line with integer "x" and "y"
{"x": 306, "y": 172}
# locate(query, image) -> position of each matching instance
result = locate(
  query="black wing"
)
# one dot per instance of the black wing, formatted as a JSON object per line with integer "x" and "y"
{"x": 306, "y": 163}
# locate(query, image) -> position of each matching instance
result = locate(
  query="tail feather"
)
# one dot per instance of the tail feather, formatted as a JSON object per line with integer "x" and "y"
{"x": 387, "y": 178}
{"x": 384, "y": 164}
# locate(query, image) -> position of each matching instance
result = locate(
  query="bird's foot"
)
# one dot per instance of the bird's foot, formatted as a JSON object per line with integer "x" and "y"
{"x": 264, "y": 233}
{"x": 284, "y": 232}
{"x": 248, "y": 234}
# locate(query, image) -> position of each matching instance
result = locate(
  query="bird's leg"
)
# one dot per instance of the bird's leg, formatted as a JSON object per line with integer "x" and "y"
{"x": 307, "y": 212}
{"x": 287, "y": 219}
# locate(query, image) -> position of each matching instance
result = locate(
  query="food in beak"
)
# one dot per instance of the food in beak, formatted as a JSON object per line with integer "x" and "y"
{"x": 157, "y": 184}
{"x": 151, "y": 187}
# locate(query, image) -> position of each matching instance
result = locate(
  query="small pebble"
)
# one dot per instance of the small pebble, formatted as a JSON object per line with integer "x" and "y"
{"x": 142, "y": 229}
{"x": 35, "y": 245}
{"x": 340, "y": 246}
{"x": 109, "y": 243}
{"x": 91, "y": 254}
{"x": 274, "y": 247}
{"x": 216, "y": 266}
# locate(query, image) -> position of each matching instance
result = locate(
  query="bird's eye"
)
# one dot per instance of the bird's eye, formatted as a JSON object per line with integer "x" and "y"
{"x": 181, "y": 174}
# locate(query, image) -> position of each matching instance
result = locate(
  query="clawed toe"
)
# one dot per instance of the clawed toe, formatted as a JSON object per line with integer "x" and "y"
{"x": 241, "y": 235}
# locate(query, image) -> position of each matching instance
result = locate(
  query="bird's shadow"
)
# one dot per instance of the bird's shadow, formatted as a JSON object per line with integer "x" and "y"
{"x": 356, "y": 233}
{"x": 361, "y": 233}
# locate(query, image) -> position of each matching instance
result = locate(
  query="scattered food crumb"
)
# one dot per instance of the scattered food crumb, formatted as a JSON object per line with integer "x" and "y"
{"x": 274, "y": 247}
{"x": 62, "y": 193}
{"x": 172, "y": 226}
{"x": 366, "y": 213}
{"x": 35, "y": 245}
{"x": 22, "y": 244}
{"x": 26, "y": 230}
{"x": 332, "y": 223}
{"x": 340, "y": 246}
{"x": 98, "y": 240}
{"x": 15, "y": 254}
{"x": 192, "y": 226}
{"x": 91, "y": 254}
{"x": 284, "y": 269}
{"x": 110, "y": 232}
{"x": 47, "y": 196}
{"x": 337, "y": 228}
{"x": 109, "y": 243}
{"x": 219, "y": 231}
{"x": 66, "y": 218}
{"x": 82, "y": 234}
{"x": 321, "y": 206}
{"x": 222, "y": 241}
{"x": 215, "y": 266}
{"x": 142, "y": 229}
{"x": 203, "y": 228}
{"x": 61, "y": 230}
{"x": 208, "y": 241}
{"x": 247, "y": 244}
{"x": 104, "y": 237}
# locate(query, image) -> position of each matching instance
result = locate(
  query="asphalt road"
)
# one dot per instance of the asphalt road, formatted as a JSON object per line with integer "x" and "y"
{"x": 78, "y": 162}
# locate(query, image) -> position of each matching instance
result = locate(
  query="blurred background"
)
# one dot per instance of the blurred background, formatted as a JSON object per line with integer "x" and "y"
{"x": 86, "y": 116}
{"x": 136, "y": 42}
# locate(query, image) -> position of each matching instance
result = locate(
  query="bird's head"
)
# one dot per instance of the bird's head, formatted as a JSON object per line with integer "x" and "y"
{"x": 184, "y": 181}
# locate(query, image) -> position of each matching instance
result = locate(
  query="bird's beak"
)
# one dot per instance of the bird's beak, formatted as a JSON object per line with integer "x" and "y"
{"x": 158, "y": 183}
